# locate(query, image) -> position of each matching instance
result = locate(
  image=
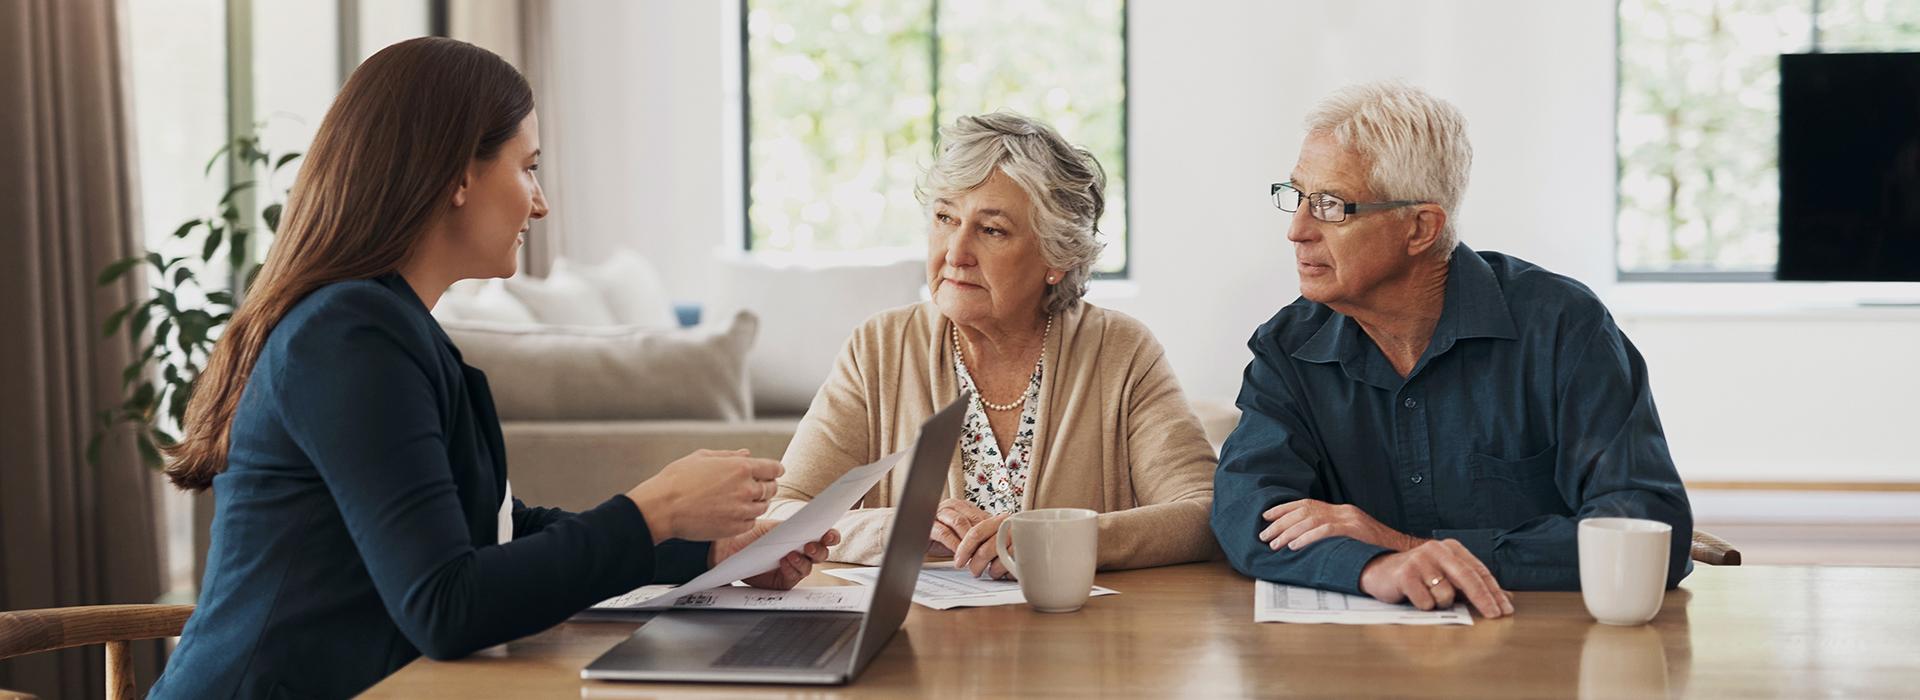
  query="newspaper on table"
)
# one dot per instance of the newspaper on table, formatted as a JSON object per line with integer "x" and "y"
{"x": 740, "y": 597}
{"x": 1278, "y": 602}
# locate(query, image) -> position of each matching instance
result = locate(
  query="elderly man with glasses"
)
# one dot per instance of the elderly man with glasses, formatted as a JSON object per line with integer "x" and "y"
{"x": 1428, "y": 421}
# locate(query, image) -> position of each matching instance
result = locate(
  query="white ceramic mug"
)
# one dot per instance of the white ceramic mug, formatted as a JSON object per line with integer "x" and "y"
{"x": 1623, "y": 568}
{"x": 1057, "y": 551}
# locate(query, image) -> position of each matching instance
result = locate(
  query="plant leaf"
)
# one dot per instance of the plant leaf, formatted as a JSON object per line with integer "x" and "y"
{"x": 215, "y": 159}
{"x": 284, "y": 159}
{"x": 213, "y": 244}
{"x": 160, "y": 336}
{"x": 93, "y": 446}
{"x": 148, "y": 453}
{"x": 131, "y": 373}
{"x": 188, "y": 228}
{"x": 141, "y": 399}
{"x": 177, "y": 404}
{"x": 181, "y": 275}
{"x": 113, "y": 322}
{"x": 237, "y": 248}
{"x": 271, "y": 215}
{"x": 221, "y": 297}
{"x": 117, "y": 268}
{"x": 237, "y": 188}
{"x": 141, "y": 317}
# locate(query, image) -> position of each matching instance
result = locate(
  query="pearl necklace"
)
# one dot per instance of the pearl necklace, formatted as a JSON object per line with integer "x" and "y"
{"x": 1037, "y": 364}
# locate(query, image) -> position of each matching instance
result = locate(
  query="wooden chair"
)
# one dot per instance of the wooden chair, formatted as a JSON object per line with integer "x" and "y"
{"x": 25, "y": 632}
{"x": 1708, "y": 549}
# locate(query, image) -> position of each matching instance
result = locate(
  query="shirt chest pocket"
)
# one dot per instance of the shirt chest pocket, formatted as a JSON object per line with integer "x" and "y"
{"x": 1508, "y": 492}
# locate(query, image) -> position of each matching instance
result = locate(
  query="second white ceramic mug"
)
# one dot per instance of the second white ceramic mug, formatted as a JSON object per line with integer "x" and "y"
{"x": 1623, "y": 568}
{"x": 1058, "y": 549}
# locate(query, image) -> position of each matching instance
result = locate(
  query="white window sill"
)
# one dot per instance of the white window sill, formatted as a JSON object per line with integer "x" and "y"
{"x": 1839, "y": 301}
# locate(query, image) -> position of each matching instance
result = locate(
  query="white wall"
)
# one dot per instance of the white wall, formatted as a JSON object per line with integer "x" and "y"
{"x": 643, "y": 122}
{"x": 1774, "y": 393}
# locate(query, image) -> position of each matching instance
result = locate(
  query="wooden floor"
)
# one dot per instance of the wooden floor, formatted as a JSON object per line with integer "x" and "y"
{"x": 1828, "y": 544}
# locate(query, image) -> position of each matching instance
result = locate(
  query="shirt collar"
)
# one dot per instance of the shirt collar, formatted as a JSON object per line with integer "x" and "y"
{"x": 394, "y": 282}
{"x": 1475, "y": 307}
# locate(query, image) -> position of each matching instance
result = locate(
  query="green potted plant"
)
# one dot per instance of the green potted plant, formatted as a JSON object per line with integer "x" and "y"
{"x": 191, "y": 302}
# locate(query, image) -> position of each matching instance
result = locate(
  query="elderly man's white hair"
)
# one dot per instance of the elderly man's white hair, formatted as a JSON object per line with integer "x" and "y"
{"x": 1066, "y": 185}
{"x": 1415, "y": 144}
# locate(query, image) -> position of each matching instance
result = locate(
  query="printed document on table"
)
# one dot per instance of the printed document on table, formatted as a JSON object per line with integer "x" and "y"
{"x": 843, "y": 598}
{"x": 802, "y": 527}
{"x": 1275, "y": 602}
{"x": 942, "y": 587}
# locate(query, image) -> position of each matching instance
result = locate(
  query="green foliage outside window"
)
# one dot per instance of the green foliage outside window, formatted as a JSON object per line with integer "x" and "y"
{"x": 842, "y": 106}
{"x": 1698, "y": 121}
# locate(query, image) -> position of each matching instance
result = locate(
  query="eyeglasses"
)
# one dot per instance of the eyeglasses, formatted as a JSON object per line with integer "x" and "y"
{"x": 1326, "y": 207}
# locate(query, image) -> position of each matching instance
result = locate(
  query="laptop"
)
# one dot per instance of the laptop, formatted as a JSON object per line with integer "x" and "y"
{"x": 794, "y": 647}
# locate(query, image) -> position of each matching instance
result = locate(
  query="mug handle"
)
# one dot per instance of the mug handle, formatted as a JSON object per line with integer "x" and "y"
{"x": 1000, "y": 541}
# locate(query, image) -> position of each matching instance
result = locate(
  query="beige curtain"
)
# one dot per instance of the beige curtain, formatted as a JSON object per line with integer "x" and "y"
{"x": 519, "y": 30}
{"x": 71, "y": 533}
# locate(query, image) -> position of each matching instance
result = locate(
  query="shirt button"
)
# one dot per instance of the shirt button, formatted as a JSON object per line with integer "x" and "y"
{"x": 1417, "y": 478}
{"x": 1409, "y": 403}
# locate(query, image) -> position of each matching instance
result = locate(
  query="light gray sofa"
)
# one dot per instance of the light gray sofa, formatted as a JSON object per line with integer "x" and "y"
{"x": 578, "y": 464}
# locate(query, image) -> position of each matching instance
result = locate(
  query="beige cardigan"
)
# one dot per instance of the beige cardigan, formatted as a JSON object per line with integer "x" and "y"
{"x": 1115, "y": 435}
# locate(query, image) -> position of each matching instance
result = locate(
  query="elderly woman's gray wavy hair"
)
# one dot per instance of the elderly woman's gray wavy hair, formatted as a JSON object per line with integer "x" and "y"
{"x": 1064, "y": 182}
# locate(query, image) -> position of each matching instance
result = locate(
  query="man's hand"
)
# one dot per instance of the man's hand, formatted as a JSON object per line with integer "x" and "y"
{"x": 1431, "y": 575}
{"x": 950, "y": 525}
{"x": 1296, "y": 524}
{"x": 793, "y": 567}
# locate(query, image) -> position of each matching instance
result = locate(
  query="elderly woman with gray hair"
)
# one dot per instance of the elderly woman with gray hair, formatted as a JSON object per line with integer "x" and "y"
{"x": 1073, "y": 405}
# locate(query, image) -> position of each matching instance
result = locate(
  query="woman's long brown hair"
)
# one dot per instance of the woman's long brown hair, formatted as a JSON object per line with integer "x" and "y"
{"x": 387, "y": 158}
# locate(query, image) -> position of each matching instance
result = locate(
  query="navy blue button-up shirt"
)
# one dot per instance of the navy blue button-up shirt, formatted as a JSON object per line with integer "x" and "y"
{"x": 1528, "y": 411}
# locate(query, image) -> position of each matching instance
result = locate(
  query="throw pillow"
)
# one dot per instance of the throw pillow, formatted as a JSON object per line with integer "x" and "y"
{"x": 632, "y": 291}
{"x": 807, "y": 311}
{"x": 612, "y": 372}
{"x": 563, "y": 298}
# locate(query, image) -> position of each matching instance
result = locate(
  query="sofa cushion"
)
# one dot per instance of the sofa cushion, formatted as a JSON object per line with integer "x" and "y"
{"x": 481, "y": 300}
{"x": 577, "y": 465}
{"x": 562, "y": 298}
{"x": 612, "y": 372}
{"x": 807, "y": 311}
{"x": 632, "y": 290}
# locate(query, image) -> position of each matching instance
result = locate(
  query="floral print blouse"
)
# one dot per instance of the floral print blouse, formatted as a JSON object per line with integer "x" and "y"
{"x": 997, "y": 483}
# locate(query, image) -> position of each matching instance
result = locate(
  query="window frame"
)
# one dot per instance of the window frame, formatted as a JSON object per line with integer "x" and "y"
{"x": 1126, "y": 128}
{"x": 1620, "y": 272}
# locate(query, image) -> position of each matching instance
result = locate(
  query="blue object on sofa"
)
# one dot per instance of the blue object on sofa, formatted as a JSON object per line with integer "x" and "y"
{"x": 689, "y": 314}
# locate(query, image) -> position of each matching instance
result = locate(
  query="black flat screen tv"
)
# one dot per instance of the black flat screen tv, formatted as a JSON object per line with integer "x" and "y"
{"x": 1850, "y": 167}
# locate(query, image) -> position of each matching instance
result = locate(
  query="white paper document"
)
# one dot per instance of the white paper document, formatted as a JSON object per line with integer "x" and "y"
{"x": 847, "y": 598}
{"x": 1275, "y": 602}
{"x": 942, "y": 587}
{"x": 802, "y": 527}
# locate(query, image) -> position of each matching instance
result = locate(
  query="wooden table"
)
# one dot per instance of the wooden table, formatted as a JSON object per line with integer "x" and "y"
{"x": 1188, "y": 631}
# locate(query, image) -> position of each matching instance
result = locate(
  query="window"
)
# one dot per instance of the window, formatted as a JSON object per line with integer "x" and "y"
{"x": 844, "y": 100}
{"x": 1698, "y": 123}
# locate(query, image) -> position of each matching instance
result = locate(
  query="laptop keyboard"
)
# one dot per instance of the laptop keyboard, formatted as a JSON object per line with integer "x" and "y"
{"x": 798, "y": 641}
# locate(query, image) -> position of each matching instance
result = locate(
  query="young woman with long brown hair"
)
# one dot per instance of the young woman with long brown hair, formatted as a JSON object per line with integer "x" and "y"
{"x": 363, "y": 511}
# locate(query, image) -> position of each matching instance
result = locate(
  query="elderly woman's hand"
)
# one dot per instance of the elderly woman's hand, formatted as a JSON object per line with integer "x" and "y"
{"x": 980, "y": 551}
{"x": 950, "y": 525}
